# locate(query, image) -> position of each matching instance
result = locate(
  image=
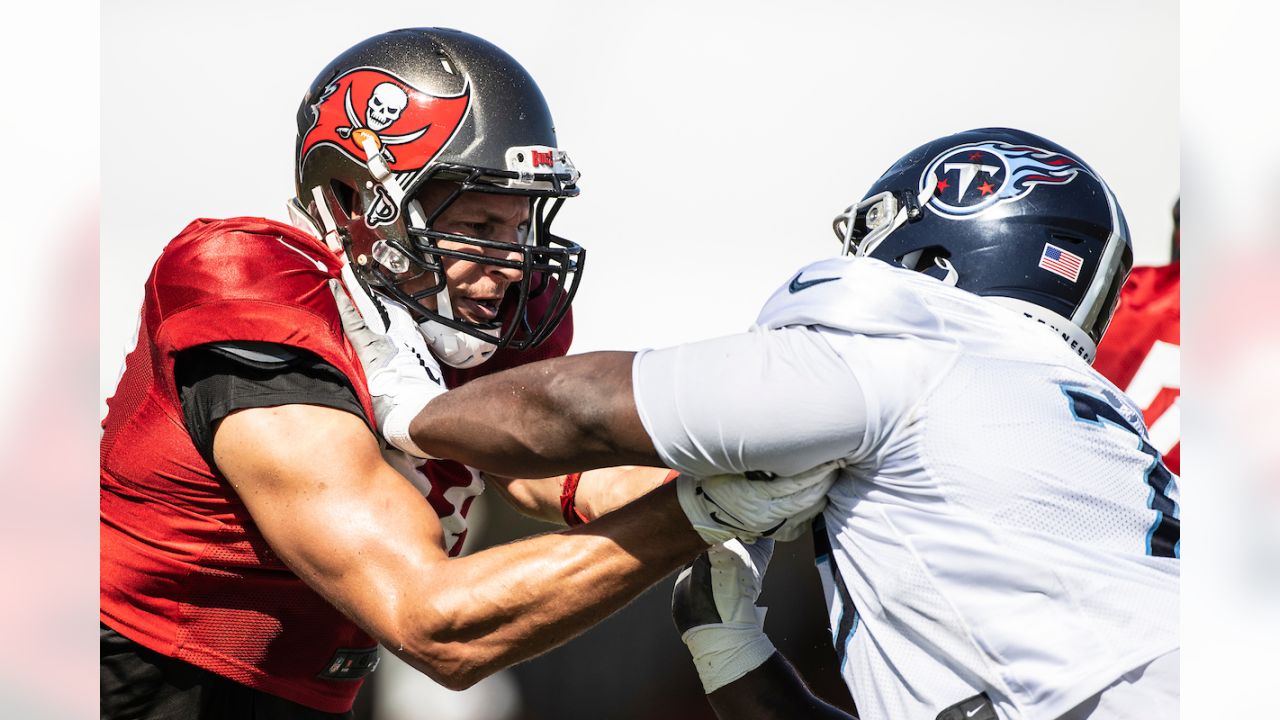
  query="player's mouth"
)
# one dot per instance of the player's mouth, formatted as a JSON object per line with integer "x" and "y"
{"x": 479, "y": 309}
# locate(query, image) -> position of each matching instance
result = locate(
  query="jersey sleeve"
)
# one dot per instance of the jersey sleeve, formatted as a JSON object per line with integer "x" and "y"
{"x": 247, "y": 280}
{"x": 238, "y": 281}
{"x": 780, "y": 401}
{"x": 216, "y": 380}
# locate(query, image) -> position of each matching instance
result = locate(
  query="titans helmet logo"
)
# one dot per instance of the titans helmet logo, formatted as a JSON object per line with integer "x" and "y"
{"x": 976, "y": 177}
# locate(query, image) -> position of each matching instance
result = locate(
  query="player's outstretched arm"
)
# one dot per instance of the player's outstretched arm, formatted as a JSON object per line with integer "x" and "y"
{"x": 538, "y": 420}
{"x": 532, "y": 497}
{"x": 354, "y": 530}
{"x": 585, "y": 497}
{"x": 570, "y": 413}
{"x": 714, "y": 608}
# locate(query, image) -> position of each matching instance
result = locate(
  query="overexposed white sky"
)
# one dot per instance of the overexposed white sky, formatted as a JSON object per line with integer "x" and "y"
{"x": 716, "y": 139}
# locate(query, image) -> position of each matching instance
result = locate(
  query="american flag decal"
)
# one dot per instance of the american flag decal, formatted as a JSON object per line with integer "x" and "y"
{"x": 1060, "y": 262}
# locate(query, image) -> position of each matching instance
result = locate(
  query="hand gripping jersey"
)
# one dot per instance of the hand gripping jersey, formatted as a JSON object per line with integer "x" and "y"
{"x": 1141, "y": 353}
{"x": 451, "y": 487}
{"x": 185, "y": 571}
{"x": 1004, "y": 525}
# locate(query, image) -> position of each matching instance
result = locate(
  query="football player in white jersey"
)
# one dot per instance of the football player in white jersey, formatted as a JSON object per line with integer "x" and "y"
{"x": 1001, "y": 540}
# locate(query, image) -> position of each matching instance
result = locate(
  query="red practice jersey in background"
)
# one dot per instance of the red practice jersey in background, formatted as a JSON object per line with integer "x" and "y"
{"x": 1141, "y": 353}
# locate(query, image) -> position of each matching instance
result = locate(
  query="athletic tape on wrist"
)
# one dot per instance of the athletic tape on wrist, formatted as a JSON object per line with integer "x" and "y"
{"x": 724, "y": 653}
{"x": 395, "y": 428}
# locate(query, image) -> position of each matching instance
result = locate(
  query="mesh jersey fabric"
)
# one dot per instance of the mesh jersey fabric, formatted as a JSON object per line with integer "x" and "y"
{"x": 990, "y": 534}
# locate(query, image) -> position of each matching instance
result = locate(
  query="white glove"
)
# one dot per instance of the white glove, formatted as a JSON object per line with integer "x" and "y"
{"x": 402, "y": 374}
{"x": 714, "y": 608}
{"x": 732, "y": 506}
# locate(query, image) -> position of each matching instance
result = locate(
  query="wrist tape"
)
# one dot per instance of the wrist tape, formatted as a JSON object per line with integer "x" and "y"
{"x": 724, "y": 653}
{"x": 395, "y": 428}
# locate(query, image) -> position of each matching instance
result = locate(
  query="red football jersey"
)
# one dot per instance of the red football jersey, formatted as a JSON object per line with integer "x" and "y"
{"x": 1141, "y": 353}
{"x": 185, "y": 571}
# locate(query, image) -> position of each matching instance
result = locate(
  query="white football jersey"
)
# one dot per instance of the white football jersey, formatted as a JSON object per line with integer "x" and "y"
{"x": 1003, "y": 526}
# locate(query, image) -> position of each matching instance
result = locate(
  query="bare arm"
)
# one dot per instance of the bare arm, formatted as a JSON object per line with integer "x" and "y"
{"x": 599, "y": 491}
{"x": 714, "y": 608}
{"x": 361, "y": 536}
{"x": 537, "y": 498}
{"x": 560, "y": 415}
{"x": 773, "y": 691}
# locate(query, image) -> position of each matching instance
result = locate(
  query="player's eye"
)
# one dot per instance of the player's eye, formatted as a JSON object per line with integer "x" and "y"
{"x": 478, "y": 229}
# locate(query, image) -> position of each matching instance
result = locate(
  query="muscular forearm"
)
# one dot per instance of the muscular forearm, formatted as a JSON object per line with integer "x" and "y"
{"x": 598, "y": 492}
{"x": 537, "y": 498}
{"x": 545, "y": 418}
{"x": 602, "y": 491}
{"x": 510, "y": 603}
{"x": 353, "y": 529}
{"x": 773, "y": 690}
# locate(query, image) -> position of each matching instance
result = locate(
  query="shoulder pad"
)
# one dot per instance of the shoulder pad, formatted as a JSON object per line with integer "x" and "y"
{"x": 858, "y": 295}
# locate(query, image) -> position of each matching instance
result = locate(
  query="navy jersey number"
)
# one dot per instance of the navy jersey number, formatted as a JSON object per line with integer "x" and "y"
{"x": 1163, "y": 538}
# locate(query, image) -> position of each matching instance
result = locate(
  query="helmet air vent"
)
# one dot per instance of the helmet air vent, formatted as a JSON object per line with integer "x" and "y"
{"x": 444, "y": 62}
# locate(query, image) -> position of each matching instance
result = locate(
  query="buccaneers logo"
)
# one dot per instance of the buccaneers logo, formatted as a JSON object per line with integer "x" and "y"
{"x": 974, "y": 177}
{"x": 372, "y": 112}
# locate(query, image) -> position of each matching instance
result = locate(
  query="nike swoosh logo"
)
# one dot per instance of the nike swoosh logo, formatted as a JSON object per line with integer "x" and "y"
{"x": 724, "y": 522}
{"x": 797, "y": 284}
{"x": 975, "y": 711}
{"x": 774, "y": 529}
{"x": 426, "y": 367}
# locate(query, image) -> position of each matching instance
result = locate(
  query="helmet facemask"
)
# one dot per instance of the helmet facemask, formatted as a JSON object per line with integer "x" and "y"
{"x": 408, "y": 260}
{"x": 862, "y": 227}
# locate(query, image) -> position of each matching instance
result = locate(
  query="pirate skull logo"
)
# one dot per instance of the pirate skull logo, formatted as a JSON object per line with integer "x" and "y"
{"x": 385, "y": 105}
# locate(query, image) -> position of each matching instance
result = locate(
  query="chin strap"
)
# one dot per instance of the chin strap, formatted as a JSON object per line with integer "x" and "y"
{"x": 454, "y": 347}
{"x": 325, "y": 228}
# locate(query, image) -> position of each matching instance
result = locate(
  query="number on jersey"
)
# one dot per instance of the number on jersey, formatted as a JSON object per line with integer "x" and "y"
{"x": 1163, "y": 539}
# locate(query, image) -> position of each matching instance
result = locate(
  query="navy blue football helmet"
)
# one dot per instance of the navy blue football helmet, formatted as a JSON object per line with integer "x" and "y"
{"x": 1004, "y": 214}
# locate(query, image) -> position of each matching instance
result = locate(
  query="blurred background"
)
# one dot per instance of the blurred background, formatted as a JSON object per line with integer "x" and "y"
{"x": 716, "y": 140}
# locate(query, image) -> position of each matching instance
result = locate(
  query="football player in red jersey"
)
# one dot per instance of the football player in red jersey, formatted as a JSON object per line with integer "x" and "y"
{"x": 1142, "y": 349}
{"x": 256, "y": 541}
